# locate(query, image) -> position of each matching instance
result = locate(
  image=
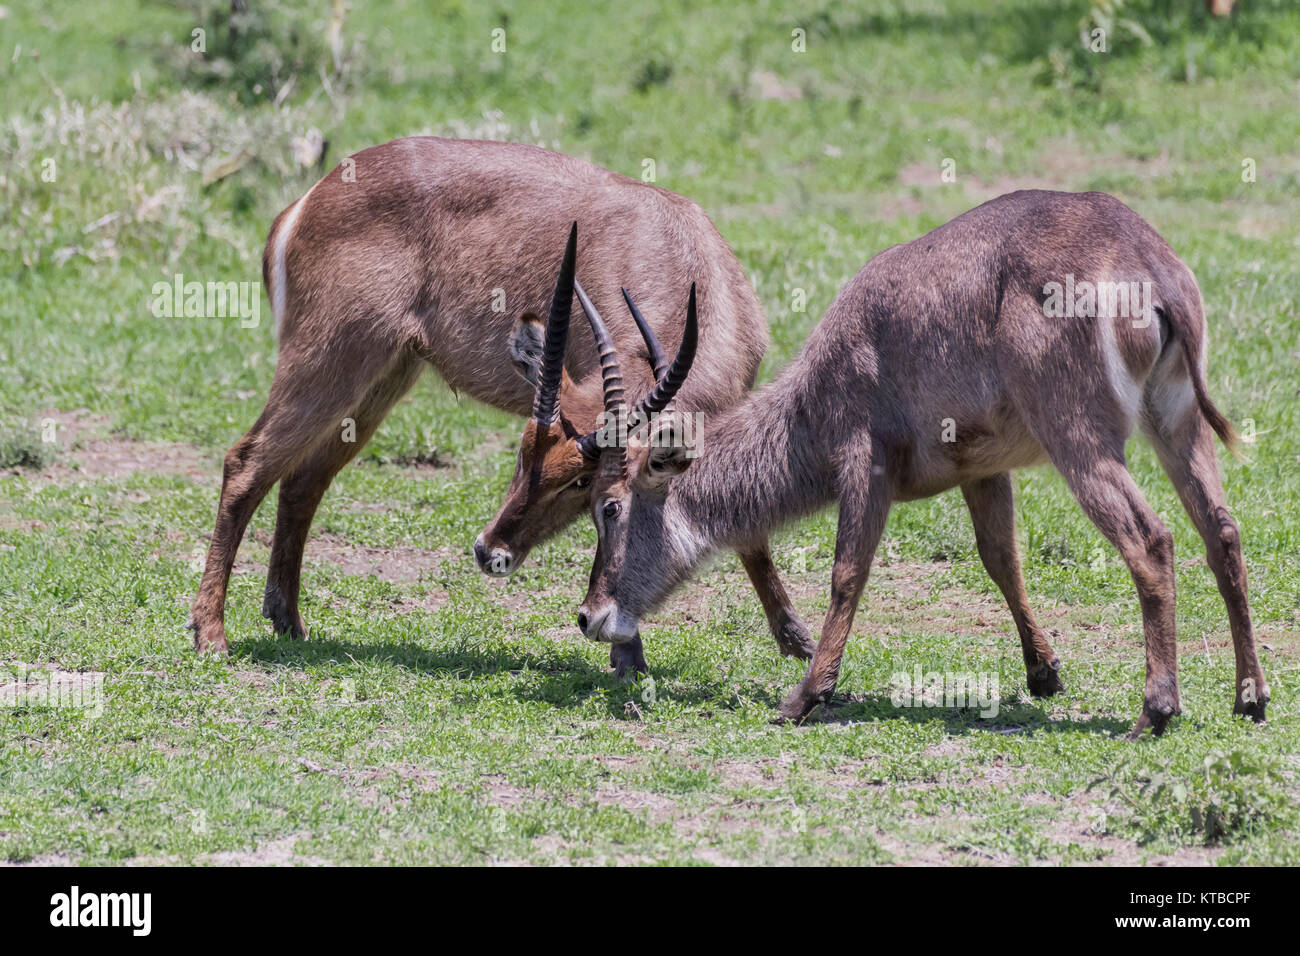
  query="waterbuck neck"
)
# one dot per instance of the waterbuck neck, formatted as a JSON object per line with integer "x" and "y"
{"x": 762, "y": 463}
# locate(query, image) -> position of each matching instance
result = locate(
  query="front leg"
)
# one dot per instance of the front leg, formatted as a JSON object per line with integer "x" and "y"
{"x": 628, "y": 658}
{"x": 862, "y": 521}
{"x": 992, "y": 511}
{"x": 792, "y": 636}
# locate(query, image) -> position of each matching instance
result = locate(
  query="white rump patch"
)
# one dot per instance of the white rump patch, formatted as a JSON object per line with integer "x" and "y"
{"x": 1127, "y": 391}
{"x": 279, "y": 286}
{"x": 1170, "y": 398}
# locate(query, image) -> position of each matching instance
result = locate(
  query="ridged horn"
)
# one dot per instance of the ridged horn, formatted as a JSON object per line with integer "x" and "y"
{"x": 612, "y": 383}
{"x": 658, "y": 360}
{"x": 545, "y": 404}
{"x": 672, "y": 381}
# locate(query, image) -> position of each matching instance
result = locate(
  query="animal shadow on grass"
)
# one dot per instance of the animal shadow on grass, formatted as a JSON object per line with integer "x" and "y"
{"x": 563, "y": 676}
{"x": 1013, "y": 717}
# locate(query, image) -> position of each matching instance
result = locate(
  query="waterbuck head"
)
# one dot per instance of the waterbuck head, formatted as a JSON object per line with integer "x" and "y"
{"x": 558, "y": 456}
{"x": 642, "y": 553}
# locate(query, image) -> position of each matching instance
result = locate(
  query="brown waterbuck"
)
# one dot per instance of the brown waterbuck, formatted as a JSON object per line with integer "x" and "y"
{"x": 946, "y": 362}
{"x": 558, "y": 456}
{"x": 419, "y": 252}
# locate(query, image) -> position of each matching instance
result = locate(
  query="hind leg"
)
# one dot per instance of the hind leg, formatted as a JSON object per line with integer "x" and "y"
{"x": 992, "y": 509}
{"x": 301, "y": 492}
{"x": 298, "y": 414}
{"x": 1188, "y": 457}
{"x": 1109, "y": 496}
{"x": 1075, "y": 392}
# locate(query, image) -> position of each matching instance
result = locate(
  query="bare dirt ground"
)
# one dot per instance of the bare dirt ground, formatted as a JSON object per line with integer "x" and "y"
{"x": 85, "y": 449}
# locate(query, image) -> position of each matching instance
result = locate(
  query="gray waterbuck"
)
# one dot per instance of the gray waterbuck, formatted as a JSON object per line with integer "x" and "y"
{"x": 997, "y": 341}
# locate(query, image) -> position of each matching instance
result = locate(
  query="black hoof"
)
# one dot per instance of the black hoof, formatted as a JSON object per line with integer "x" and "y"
{"x": 628, "y": 659}
{"x": 1155, "y": 718}
{"x": 209, "y": 640}
{"x": 1254, "y": 710}
{"x": 1045, "y": 679}
{"x": 793, "y": 640}
{"x": 275, "y": 609}
{"x": 798, "y": 706}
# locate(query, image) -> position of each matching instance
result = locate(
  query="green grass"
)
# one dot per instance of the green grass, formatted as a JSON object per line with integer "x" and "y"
{"x": 437, "y": 716}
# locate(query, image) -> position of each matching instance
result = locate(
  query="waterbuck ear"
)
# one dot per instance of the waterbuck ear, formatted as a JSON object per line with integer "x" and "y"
{"x": 526, "y": 346}
{"x": 670, "y": 452}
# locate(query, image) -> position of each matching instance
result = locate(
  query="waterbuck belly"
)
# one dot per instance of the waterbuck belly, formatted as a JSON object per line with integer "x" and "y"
{"x": 966, "y": 450}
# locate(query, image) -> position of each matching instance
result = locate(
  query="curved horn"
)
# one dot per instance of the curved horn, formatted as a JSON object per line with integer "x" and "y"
{"x": 658, "y": 360}
{"x": 611, "y": 377}
{"x": 671, "y": 382}
{"x": 545, "y": 405}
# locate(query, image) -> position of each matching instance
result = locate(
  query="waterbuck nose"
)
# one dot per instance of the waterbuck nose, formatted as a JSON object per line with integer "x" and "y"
{"x": 495, "y": 561}
{"x": 582, "y": 621}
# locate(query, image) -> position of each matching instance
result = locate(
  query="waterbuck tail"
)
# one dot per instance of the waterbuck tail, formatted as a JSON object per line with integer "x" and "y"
{"x": 1189, "y": 328}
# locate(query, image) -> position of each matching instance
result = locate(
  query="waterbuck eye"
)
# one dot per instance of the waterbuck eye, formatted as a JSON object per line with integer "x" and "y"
{"x": 610, "y": 510}
{"x": 583, "y": 482}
